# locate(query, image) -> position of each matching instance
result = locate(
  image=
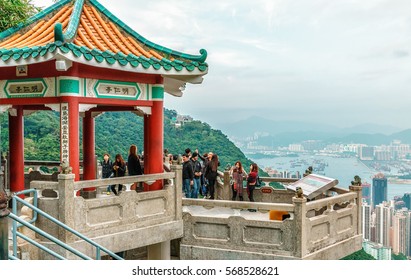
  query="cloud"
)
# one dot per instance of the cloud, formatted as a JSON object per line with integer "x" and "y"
{"x": 401, "y": 53}
{"x": 290, "y": 57}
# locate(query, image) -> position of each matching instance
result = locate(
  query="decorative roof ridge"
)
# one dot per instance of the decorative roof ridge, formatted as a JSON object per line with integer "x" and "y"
{"x": 34, "y": 18}
{"x": 74, "y": 22}
{"x": 200, "y": 58}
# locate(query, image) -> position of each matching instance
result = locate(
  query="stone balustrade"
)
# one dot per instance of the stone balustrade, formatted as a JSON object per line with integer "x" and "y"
{"x": 325, "y": 228}
{"x": 119, "y": 223}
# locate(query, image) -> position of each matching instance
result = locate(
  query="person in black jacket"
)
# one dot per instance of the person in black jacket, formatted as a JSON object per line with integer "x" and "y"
{"x": 134, "y": 165}
{"x": 188, "y": 175}
{"x": 119, "y": 170}
{"x": 211, "y": 174}
{"x": 197, "y": 175}
{"x": 106, "y": 169}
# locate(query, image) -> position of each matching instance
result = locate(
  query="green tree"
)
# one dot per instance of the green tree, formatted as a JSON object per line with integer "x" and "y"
{"x": 116, "y": 131}
{"x": 13, "y": 12}
{"x": 359, "y": 255}
{"x": 398, "y": 257}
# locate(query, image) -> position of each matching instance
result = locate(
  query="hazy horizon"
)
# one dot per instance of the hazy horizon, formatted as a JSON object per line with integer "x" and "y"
{"x": 334, "y": 62}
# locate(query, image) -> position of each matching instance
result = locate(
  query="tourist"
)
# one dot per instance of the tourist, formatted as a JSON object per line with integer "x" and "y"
{"x": 238, "y": 174}
{"x": 252, "y": 180}
{"x": 188, "y": 175}
{"x": 168, "y": 160}
{"x": 188, "y": 152}
{"x": 106, "y": 169}
{"x": 119, "y": 170}
{"x": 211, "y": 173}
{"x": 134, "y": 165}
{"x": 204, "y": 161}
{"x": 197, "y": 175}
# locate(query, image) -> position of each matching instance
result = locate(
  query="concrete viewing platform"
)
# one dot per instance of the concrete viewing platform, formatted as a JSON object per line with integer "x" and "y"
{"x": 161, "y": 224}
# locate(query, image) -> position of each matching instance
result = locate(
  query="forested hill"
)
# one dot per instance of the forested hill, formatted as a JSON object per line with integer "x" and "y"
{"x": 116, "y": 131}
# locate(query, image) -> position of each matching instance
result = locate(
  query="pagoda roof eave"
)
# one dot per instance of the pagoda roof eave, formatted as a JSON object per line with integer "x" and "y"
{"x": 174, "y": 81}
{"x": 82, "y": 27}
{"x": 85, "y": 32}
{"x": 26, "y": 55}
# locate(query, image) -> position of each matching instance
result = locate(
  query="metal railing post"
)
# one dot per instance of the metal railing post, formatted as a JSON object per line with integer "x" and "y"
{"x": 4, "y": 228}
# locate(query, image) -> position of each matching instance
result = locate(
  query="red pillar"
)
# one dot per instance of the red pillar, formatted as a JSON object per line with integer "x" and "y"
{"x": 89, "y": 165}
{"x": 70, "y": 114}
{"x": 74, "y": 138}
{"x": 146, "y": 148}
{"x": 16, "y": 145}
{"x": 155, "y": 138}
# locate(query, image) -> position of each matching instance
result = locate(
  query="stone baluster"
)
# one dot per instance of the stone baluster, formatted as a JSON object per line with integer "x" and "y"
{"x": 4, "y": 229}
{"x": 358, "y": 202}
{"x": 226, "y": 195}
{"x": 300, "y": 230}
{"x": 66, "y": 205}
{"x": 178, "y": 183}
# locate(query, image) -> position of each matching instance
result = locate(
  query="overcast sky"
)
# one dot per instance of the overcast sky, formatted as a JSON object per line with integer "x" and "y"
{"x": 341, "y": 62}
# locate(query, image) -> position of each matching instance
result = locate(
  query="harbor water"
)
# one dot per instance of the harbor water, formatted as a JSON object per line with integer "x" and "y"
{"x": 342, "y": 169}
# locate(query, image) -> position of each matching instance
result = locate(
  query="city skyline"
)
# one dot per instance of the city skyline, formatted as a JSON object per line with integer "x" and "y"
{"x": 335, "y": 62}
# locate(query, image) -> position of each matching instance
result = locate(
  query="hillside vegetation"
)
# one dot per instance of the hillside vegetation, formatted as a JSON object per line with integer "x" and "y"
{"x": 116, "y": 131}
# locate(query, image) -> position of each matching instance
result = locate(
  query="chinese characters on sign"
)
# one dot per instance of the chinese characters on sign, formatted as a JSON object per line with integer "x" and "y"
{"x": 64, "y": 118}
{"x": 117, "y": 90}
{"x": 31, "y": 88}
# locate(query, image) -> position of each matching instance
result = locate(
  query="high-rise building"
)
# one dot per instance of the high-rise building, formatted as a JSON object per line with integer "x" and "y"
{"x": 408, "y": 214}
{"x": 407, "y": 200}
{"x": 378, "y": 251}
{"x": 379, "y": 189}
{"x": 366, "y": 192}
{"x": 366, "y": 221}
{"x": 399, "y": 230}
{"x": 382, "y": 155}
{"x": 383, "y": 217}
{"x": 367, "y": 153}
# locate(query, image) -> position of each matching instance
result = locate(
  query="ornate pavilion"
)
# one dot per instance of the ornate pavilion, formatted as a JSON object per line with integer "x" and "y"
{"x": 80, "y": 60}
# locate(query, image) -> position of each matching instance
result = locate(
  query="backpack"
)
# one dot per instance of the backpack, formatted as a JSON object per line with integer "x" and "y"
{"x": 258, "y": 181}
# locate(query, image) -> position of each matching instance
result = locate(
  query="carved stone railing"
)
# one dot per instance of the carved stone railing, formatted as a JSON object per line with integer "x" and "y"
{"x": 330, "y": 220}
{"x": 326, "y": 228}
{"x": 119, "y": 223}
{"x": 216, "y": 229}
{"x": 265, "y": 193}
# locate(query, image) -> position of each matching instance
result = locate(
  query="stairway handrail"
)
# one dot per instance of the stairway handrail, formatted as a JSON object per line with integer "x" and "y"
{"x": 43, "y": 233}
{"x": 50, "y": 237}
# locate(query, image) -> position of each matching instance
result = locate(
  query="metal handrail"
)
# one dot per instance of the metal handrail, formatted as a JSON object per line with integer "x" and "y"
{"x": 35, "y": 196}
{"x": 43, "y": 233}
{"x": 36, "y": 210}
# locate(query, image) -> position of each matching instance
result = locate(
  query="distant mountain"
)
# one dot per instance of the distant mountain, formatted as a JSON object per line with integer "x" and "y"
{"x": 404, "y": 136}
{"x": 280, "y": 129}
{"x": 372, "y": 128}
{"x": 249, "y": 126}
{"x": 363, "y": 138}
{"x": 116, "y": 131}
{"x": 374, "y": 139}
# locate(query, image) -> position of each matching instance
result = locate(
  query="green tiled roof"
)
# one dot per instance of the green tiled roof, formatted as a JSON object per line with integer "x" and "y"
{"x": 18, "y": 54}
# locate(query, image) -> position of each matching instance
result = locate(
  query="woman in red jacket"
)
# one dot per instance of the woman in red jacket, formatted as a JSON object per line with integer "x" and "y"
{"x": 252, "y": 180}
